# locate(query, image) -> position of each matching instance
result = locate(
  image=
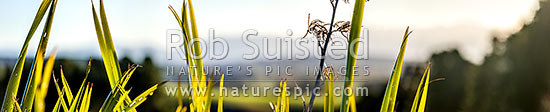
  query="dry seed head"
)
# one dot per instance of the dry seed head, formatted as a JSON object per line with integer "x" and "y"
{"x": 319, "y": 29}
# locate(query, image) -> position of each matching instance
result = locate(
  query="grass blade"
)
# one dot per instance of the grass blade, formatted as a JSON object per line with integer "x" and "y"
{"x": 87, "y": 101}
{"x": 102, "y": 47}
{"x": 106, "y": 46}
{"x": 417, "y": 96}
{"x": 78, "y": 99}
{"x": 356, "y": 23}
{"x": 115, "y": 66}
{"x": 110, "y": 59}
{"x": 279, "y": 100}
{"x": 388, "y": 104}
{"x": 207, "y": 96}
{"x": 329, "y": 87}
{"x": 142, "y": 97}
{"x": 352, "y": 106}
{"x": 286, "y": 100}
{"x": 179, "y": 96}
{"x": 128, "y": 74}
{"x": 220, "y": 97}
{"x": 57, "y": 105}
{"x": 84, "y": 98}
{"x": 121, "y": 99}
{"x": 185, "y": 35}
{"x": 283, "y": 100}
{"x": 18, "y": 108}
{"x": 196, "y": 45}
{"x": 113, "y": 98}
{"x": 37, "y": 69}
{"x": 60, "y": 93}
{"x": 109, "y": 103}
{"x": 15, "y": 77}
{"x": 44, "y": 83}
{"x": 423, "y": 99}
{"x": 66, "y": 87}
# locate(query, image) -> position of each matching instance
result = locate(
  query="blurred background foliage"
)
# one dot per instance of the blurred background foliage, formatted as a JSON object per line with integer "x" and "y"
{"x": 515, "y": 77}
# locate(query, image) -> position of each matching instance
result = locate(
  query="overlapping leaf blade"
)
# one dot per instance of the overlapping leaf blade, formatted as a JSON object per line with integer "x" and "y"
{"x": 419, "y": 89}
{"x": 61, "y": 100}
{"x": 423, "y": 99}
{"x": 13, "y": 83}
{"x": 200, "y": 102}
{"x": 329, "y": 93}
{"x": 142, "y": 97}
{"x": 221, "y": 95}
{"x": 106, "y": 46}
{"x": 388, "y": 104}
{"x": 38, "y": 65}
{"x": 355, "y": 33}
{"x": 44, "y": 83}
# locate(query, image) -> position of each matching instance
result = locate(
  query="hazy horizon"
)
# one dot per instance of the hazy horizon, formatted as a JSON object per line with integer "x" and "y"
{"x": 137, "y": 26}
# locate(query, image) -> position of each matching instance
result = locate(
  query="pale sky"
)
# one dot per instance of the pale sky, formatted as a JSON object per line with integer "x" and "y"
{"x": 137, "y": 24}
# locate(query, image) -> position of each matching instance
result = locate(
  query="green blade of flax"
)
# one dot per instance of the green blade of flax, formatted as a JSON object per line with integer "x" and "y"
{"x": 423, "y": 99}
{"x": 40, "y": 104}
{"x": 60, "y": 100}
{"x": 185, "y": 37}
{"x": 352, "y": 106}
{"x": 179, "y": 96}
{"x": 66, "y": 86}
{"x": 329, "y": 87}
{"x": 285, "y": 101}
{"x": 120, "y": 100}
{"x": 142, "y": 97}
{"x": 113, "y": 98}
{"x": 109, "y": 42}
{"x": 109, "y": 103}
{"x": 60, "y": 93}
{"x": 417, "y": 96}
{"x": 208, "y": 99}
{"x": 84, "y": 98}
{"x": 355, "y": 33}
{"x": 196, "y": 77}
{"x": 191, "y": 108}
{"x": 175, "y": 15}
{"x": 388, "y": 104}
{"x": 287, "y": 107}
{"x": 279, "y": 99}
{"x": 37, "y": 69}
{"x": 18, "y": 108}
{"x": 87, "y": 107}
{"x": 191, "y": 62}
{"x": 15, "y": 77}
{"x": 196, "y": 45}
{"x": 128, "y": 74}
{"x": 220, "y": 97}
{"x": 108, "y": 52}
{"x": 105, "y": 55}
{"x": 124, "y": 80}
{"x": 78, "y": 98}
{"x": 57, "y": 105}
{"x": 284, "y": 105}
{"x": 109, "y": 55}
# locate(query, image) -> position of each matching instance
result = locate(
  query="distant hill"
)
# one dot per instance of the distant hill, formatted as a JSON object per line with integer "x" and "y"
{"x": 514, "y": 78}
